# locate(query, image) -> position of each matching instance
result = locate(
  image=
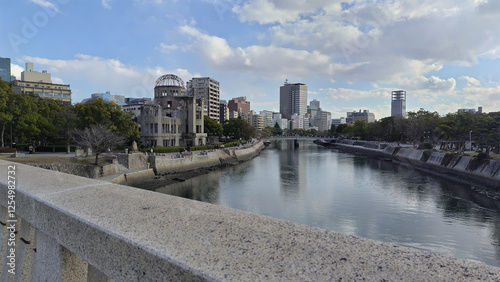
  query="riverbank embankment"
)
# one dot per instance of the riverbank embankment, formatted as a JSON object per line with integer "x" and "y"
{"x": 170, "y": 168}
{"x": 458, "y": 167}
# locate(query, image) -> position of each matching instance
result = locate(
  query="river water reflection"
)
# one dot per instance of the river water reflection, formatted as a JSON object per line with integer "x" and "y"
{"x": 355, "y": 195}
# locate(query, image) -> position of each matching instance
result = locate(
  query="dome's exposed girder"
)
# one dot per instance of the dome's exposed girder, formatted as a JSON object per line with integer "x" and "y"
{"x": 170, "y": 80}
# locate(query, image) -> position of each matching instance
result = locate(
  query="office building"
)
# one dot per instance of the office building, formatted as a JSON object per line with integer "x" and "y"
{"x": 323, "y": 121}
{"x": 361, "y": 115}
{"x": 223, "y": 111}
{"x": 398, "y": 104}
{"x": 293, "y": 99}
{"x": 268, "y": 118}
{"x": 281, "y": 122}
{"x": 40, "y": 83}
{"x": 338, "y": 121}
{"x": 240, "y": 105}
{"x": 5, "y": 69}
{"x": 472, "y": 111}
{"x": 234, "y": 115}
{"x": 107, "y": 97}
{"x": 207, "y": 89}
{"x": 255, "y": 120}
{"x": 296, "y": 122}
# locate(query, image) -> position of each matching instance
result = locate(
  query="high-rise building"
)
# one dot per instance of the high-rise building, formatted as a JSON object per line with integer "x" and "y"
{"x": 398, "y": 105}
{"x": 223, "y": 111}
{"x": 293, "y": 99}
{"x": 5, "y": 69}
{"x": 208, "y": 89}
{"x": 40, "y": 83}
{"x": 240, "y": 105}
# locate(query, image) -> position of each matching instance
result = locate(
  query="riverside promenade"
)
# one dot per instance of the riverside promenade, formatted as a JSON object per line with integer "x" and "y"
{"x": 70, "y": 228}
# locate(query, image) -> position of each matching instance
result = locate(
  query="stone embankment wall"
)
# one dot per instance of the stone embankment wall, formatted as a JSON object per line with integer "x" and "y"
{"x": 182, "y": 162}
{"x": 459, "y": 167}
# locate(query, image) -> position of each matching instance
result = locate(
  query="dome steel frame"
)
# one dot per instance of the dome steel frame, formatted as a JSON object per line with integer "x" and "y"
{"x": 169, "y": 80}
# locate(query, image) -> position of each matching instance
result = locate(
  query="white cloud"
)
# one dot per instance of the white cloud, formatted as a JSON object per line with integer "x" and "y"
{"x": 16, "y": 70}
{"x": 45, "y": 4}
{"x": 393, "y": 39}
{"x": 281, "y": 11}
{"x": 471, "y": 81}
{"x": 352, "y": 94}
{"x": 166, "y": 48}
{"x": 267, "y": 61}
{"x": 433, "y": 83}
{"x": 89, "y": 74}
{"x": 106, "y": 4}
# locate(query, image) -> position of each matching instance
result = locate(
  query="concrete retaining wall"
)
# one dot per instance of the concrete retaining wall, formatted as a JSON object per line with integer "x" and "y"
{"x": 133, "y": 161}
{"x": 71, "y": 228}
{"x": 462, "y": 168}
{"x": 198, "y": 159}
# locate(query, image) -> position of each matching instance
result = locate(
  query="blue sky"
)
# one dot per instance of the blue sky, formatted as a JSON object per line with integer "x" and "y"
{"x": 351, "y": 54}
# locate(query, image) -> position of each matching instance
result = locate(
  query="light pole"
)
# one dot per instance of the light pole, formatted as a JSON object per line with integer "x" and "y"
{"x": 470, "y": 140}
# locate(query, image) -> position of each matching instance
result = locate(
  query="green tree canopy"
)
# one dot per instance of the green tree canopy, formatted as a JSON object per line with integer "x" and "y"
{"x": 238, "y": 128}
{"x": 212, "y": 127}
{"x": 108, "y": 114}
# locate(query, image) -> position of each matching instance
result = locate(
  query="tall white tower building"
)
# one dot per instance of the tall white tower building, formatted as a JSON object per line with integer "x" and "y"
{"x": 398, "y": 105}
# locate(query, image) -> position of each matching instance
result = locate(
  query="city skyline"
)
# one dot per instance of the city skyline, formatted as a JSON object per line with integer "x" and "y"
{"x": 351, "y": 55}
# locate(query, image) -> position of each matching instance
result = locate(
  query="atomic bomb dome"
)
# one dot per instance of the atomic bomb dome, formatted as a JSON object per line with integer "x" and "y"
{"x": 169, "y": 80}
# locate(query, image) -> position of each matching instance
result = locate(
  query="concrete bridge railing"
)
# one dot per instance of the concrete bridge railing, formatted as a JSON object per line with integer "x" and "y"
{"x": 69, "y": 228}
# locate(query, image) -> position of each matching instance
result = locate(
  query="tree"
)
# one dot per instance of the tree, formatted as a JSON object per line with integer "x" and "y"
{"x": 238, "y": 128}
{"x": 312, "y": 132}
{"x": 277, "y": 129}
{"x": 340, "y": 128}
{"x": 97, "y": 137}
{"x": 212, "y": 127}
{"x": 48, "y": 110}
{"x": 66, "y": 120}
{"x": 108, "y": 114}
{"x": 6, "y": 116}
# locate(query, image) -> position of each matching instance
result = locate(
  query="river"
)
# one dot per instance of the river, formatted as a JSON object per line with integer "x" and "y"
{"x": 356, "y": 195}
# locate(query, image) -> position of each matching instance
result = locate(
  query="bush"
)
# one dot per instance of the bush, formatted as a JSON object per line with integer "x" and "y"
{"x": 7, "y": 150}
{"x": 425, "y": 146}
{"x": 122, "y": 147}
{"x": 162, "y": 150}
{"x": 230, "y": 144}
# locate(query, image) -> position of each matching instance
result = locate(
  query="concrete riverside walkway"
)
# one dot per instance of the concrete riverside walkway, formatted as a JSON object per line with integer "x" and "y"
{"x": 130, "y": 234}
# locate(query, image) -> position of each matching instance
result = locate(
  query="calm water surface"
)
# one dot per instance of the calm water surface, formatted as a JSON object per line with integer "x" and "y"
{"x": 355, "y": 195}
